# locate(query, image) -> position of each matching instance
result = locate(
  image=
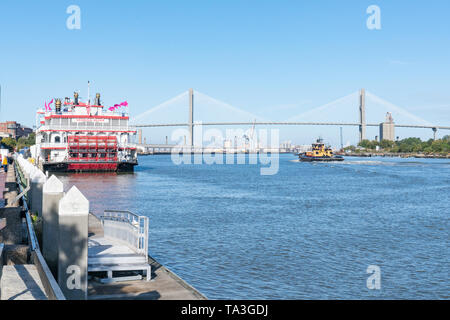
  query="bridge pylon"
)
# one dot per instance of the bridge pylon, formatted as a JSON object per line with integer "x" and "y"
{"x": 191, "y": 117}
{"x": 362, "y": 115}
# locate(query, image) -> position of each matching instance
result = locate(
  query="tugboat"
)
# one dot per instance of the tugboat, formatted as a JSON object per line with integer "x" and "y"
{"x": 319, "y": 153}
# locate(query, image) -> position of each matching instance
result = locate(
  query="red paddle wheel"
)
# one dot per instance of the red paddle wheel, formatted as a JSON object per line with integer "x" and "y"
{"x": 92, "y": 153}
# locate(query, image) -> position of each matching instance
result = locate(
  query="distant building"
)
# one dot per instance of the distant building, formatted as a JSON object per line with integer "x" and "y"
{"x": 286, "y": 145}
{"x": 13, "y": 129}
{"x": 387, "y": 128}
{"x": 227, "y": 144}
{"x": 303, "y": 148}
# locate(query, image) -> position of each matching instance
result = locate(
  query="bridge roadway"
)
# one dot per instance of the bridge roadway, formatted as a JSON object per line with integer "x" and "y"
{"x": 285, "y": 124}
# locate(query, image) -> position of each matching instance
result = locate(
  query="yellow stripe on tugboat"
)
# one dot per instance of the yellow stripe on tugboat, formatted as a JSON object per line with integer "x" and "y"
{"x": 319, "y": 153}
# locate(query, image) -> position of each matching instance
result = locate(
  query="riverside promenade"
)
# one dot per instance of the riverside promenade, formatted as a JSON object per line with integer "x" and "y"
{"x": 26, "y": 275}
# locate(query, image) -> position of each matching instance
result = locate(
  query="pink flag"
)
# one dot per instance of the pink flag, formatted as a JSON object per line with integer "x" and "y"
{"x": 47, "y": 106}
{"x": 116, "y": 106}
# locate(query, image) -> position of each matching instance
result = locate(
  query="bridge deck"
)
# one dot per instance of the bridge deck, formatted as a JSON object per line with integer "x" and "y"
{"x": 274, "y": 123}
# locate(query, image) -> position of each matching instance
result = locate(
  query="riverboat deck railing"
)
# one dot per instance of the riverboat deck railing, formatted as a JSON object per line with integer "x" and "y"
{"x": 93, "y": 128}
{"x": 65, "y": 145}
{"x": 127, "y": 228}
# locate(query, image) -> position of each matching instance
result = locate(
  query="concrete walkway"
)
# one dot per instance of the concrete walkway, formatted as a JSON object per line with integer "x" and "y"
{"x": 21, "y": 282}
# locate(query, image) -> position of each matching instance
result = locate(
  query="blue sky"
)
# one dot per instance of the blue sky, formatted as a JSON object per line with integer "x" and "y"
{"x": 274, "y": 59}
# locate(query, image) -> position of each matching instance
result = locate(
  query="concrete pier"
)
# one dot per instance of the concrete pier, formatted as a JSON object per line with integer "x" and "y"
{"x": 165, "y": 285}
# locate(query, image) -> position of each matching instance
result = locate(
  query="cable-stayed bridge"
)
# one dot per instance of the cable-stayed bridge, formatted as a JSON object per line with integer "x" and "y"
{"x": 357, "y": 102}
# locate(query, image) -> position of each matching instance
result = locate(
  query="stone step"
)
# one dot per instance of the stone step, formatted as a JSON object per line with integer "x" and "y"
{"x": 21, "y": 282}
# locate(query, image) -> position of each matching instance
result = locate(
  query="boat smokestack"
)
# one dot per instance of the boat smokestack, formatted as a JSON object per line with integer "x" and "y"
{"x": 58, "y": 105}
{"x": 75, "y": 98}
{"x": 97, "y": 99}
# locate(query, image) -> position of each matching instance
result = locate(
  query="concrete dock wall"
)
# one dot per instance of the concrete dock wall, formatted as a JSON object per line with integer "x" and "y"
{"x": 73, "y": 218}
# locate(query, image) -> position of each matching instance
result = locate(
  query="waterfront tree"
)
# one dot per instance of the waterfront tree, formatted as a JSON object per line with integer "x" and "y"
{"x": 386, "y": 144}
{"x": 28, "y": 141}
{"x": 367, "y": 144}
{"x": 10, "y": 143}
{"x": 408, "y": 145}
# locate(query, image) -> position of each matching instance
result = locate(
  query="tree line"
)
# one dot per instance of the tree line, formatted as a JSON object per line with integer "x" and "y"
{"x": 408, "y": 145}
{"x": 20, "y": 143}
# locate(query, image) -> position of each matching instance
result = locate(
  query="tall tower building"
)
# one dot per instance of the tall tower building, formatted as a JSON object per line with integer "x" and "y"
{"x": 387, "y": 128}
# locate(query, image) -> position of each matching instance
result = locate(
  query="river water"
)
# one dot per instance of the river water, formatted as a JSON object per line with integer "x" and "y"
{"x": 308, "y": 232}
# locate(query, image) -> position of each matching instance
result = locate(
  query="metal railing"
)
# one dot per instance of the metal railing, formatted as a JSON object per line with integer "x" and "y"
{"x": 93, "y": 128}
{"x": 58, "y": 145}
{"x": 104, "y": 113}
{"x": 128, "y": 228}
{"x": 65, "y": 145}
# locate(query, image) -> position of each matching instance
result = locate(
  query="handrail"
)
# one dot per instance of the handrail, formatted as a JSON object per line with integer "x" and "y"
{"x": 128, "y": 228}
{"x": 32, "y": 239}
{"x": 25, "y": 191}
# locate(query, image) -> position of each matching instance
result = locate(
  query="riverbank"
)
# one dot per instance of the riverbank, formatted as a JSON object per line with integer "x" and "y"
{"x": 394, "y": 155}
